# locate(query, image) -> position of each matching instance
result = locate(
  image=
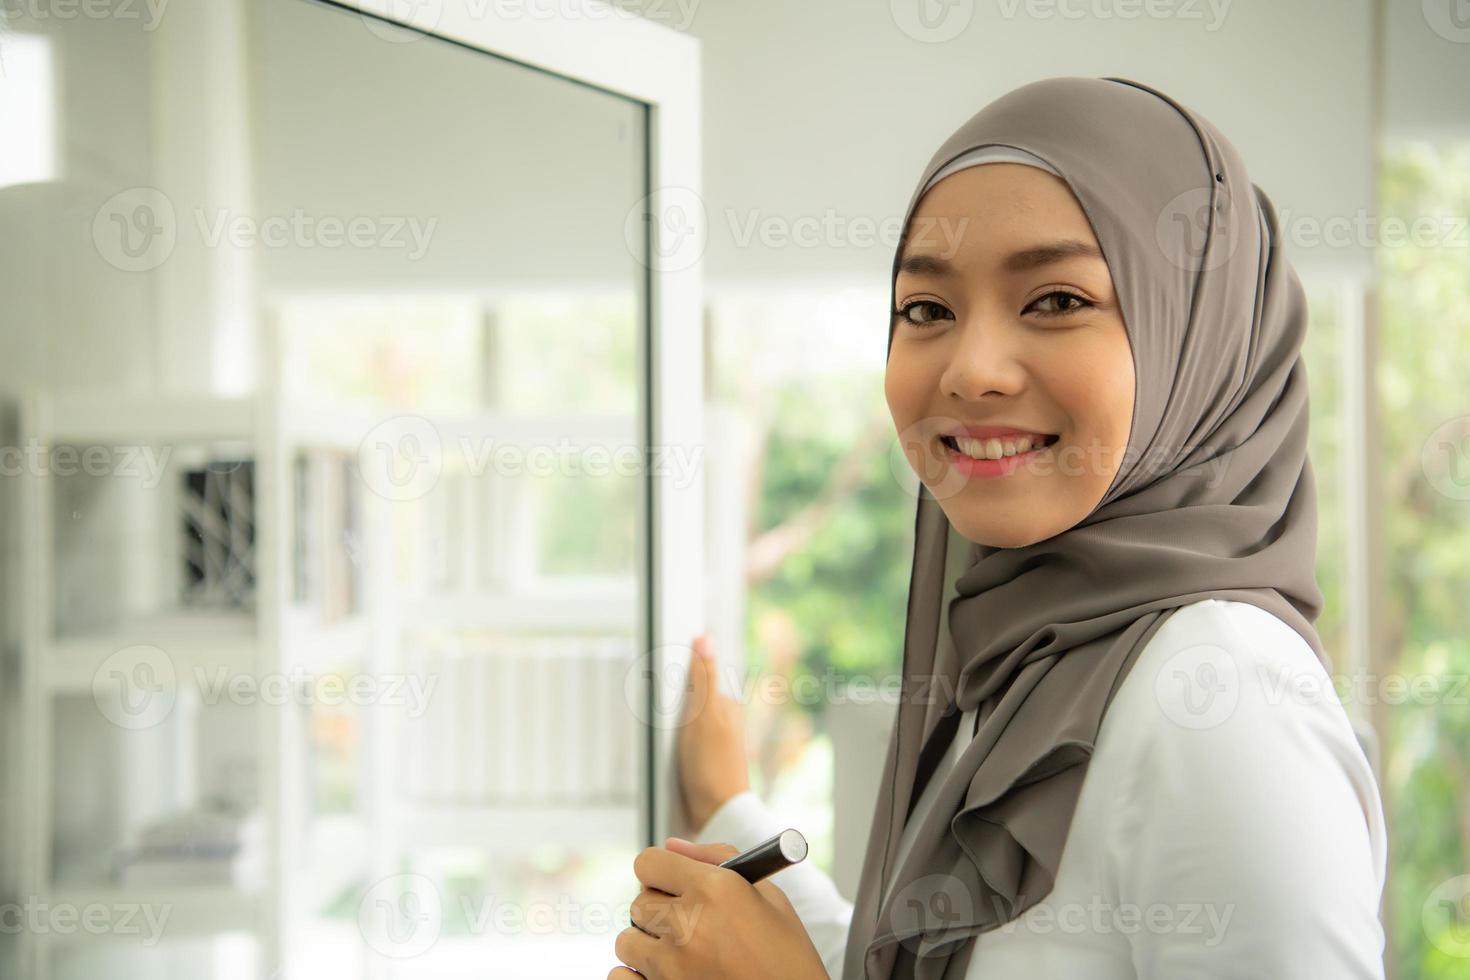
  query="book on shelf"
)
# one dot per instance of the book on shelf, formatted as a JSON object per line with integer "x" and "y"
{"x": 199, "y": 846}
{"x": 327, "y": 542}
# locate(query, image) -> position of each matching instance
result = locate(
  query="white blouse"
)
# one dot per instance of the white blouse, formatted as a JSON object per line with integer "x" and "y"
{"x": 1229, "y": 825}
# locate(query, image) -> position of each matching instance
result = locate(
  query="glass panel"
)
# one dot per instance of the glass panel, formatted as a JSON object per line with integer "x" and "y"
{"x": 321, "y": 531}
{"x": 494, "y": 363}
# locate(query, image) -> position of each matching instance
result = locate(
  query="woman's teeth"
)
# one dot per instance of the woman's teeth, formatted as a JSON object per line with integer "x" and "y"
{"x": 996, "y": 448}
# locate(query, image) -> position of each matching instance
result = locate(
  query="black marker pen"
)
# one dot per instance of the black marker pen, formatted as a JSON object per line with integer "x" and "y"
{"x": 766, "y": 858}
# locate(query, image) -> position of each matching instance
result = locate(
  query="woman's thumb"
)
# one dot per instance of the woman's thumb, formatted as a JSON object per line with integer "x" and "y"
{"x": 700, "y": 660}
{"x": 708, "y": 853}
{"x": 699, "y": 654}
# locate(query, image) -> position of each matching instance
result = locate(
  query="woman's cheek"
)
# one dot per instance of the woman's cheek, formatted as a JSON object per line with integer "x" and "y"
{"x": 902, "y": 386}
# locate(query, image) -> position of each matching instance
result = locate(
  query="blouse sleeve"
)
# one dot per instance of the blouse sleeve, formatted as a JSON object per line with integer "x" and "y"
{"x": 744, "y": 821}
{"x": 1250, "y": 838}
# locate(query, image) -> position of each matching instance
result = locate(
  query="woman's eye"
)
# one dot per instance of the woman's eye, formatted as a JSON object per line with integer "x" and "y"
{"x": 1062, "y": 297}
{"x": 933, "y": 311}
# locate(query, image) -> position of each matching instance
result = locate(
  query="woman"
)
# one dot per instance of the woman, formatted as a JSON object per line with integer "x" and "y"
{"x": 1117, "y": 753}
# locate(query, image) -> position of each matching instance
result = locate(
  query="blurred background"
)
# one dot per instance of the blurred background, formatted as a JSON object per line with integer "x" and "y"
{"x": 327, "y": 362}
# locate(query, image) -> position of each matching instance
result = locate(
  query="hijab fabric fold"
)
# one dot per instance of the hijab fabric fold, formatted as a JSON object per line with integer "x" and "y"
{"x": 1215, "y": 497}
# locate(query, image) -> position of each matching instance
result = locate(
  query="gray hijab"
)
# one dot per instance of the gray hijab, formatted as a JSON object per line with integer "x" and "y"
{"x": 1214, "y": 498}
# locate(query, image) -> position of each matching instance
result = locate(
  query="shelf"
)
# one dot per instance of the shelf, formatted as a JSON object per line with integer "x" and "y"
{"x": 522, "y": 430}
{"x": 309, "y": 644}
{"x": 191, "y": 911}
{"x": 191, "y": 639}
{"x": 317, "y": 425}
{"x": 134, "y": 417}
{"x": 509, "y": 826}
{"x": 469, "y": 438}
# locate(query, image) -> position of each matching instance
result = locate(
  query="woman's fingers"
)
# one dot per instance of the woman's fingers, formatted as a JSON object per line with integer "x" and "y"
{"x": 660, "y": 916}
{"x": 664, "y": 870}
{"x": 623, "y": 973}
{"x": 708, "y": 853}
{"x": 637, "y": 949}
{"x": 772, "y": 893}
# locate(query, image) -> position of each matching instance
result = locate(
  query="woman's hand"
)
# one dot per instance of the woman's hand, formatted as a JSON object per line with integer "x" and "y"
{"x": 694, "y": 920}
{"x": 711, "y": 744}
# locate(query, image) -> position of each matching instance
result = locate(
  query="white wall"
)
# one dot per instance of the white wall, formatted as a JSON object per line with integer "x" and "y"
{"x": 236, "y": 113}
{"x": 811, "y": 106}
{"x": 811, "y": 109}
{"x": 64, "y": 312}
{"x": 513, "y": 175}
{"x": 1427, "y": 59}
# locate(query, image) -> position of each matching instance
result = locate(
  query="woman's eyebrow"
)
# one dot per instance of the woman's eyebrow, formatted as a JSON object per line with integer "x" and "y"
{"x": 919, "y": 264}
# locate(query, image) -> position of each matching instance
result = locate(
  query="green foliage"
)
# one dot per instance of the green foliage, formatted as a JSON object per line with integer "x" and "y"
{"x": 847, "y": 589}
{"x": 1421, "y": 374}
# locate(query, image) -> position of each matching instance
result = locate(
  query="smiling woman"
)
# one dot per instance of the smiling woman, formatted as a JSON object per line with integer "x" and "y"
{"x": 1100, "y": 385}
{"x": 1010, "y": 358}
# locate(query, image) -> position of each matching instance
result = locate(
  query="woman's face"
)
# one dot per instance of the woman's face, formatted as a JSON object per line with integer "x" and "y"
{"x": 1010, "y": 379}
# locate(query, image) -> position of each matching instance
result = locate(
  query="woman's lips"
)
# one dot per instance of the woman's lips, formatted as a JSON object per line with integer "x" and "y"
{"x": 984, "y": 468}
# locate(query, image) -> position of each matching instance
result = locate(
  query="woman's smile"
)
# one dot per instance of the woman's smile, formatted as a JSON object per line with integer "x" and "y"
{"x": 994, "y": 455}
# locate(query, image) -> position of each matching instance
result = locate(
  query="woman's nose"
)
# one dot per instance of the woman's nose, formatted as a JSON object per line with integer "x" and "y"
{"x": 983, "y": 360}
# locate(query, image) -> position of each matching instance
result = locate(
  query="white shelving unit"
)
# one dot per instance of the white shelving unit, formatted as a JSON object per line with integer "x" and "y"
{"x": 86, "y": 784}
{"x": 313, "y": 858}
{"x": 455, "y": 598}
{"x": 62, "y": 670}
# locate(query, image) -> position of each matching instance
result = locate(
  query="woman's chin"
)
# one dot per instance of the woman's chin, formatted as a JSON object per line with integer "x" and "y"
{"x": 999, "y": 533}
